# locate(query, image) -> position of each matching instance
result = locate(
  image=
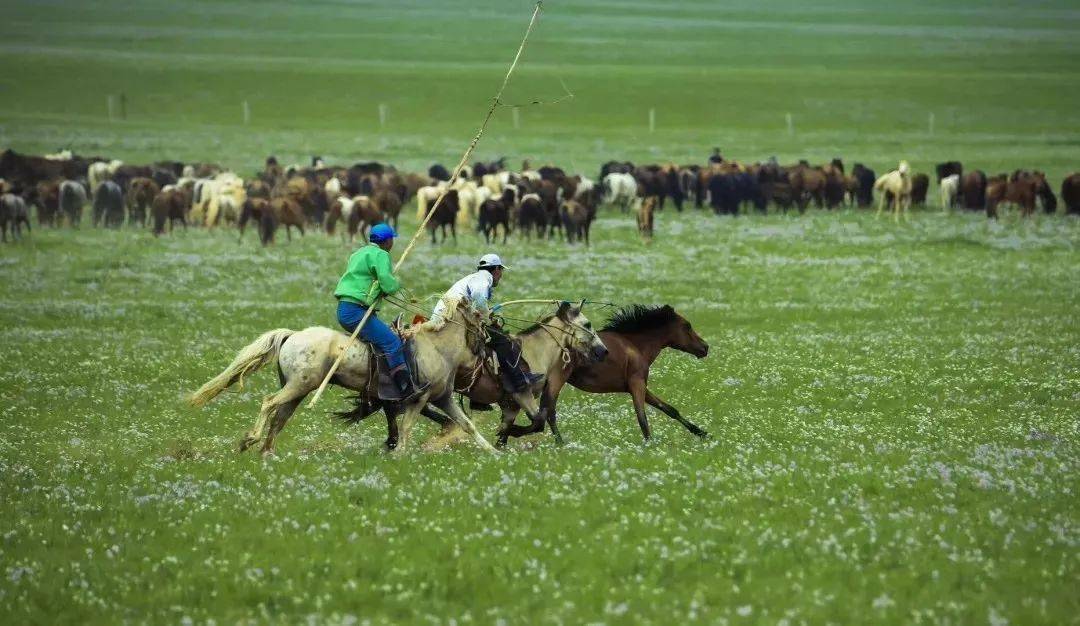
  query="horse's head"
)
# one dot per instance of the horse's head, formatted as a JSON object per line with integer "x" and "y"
{"x": 684, "y": 338}
{"x": 582, "y": 338}
{"x": 904, "y": 168}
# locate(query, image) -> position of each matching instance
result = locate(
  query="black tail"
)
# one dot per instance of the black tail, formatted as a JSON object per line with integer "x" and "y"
{"x": 362, "y": 408}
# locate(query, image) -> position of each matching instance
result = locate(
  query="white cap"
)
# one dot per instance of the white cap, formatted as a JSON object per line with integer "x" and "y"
{"x": 490, "y": 260}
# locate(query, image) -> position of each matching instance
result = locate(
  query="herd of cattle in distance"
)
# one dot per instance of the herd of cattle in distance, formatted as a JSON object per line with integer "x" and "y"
{"x": 542, "y": 202}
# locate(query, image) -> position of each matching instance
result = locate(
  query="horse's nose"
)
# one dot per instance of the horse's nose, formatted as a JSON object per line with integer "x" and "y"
{"x": 601, "y": 352}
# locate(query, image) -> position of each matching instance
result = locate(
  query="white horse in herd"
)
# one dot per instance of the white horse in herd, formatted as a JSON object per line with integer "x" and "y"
{"x": 897, "y": 183}
{"x": 950, "y": 190}
{"x": 620, "y": 189}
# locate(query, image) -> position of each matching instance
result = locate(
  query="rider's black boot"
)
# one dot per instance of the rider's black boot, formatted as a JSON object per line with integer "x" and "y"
{"x": 409, "y": 391}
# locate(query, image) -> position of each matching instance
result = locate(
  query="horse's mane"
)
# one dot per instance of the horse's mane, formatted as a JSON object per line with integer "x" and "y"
{"x": 638, "y": 318}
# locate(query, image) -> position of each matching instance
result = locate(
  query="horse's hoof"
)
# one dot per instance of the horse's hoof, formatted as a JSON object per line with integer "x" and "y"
{"x": 246, "y": 443}
{"x": 702, "y": 434}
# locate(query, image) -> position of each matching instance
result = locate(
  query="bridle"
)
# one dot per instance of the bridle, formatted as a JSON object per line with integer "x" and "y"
{"x": 570, "y": 344}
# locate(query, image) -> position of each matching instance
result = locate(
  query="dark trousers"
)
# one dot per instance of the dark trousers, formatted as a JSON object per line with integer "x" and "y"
{"x": 507, "y": 352}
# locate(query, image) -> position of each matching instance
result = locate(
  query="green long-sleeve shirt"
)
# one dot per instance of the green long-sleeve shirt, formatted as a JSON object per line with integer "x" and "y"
{"x": 368, "y": 276}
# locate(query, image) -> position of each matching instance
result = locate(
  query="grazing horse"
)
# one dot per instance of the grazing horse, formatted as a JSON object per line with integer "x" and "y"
{"x": 13, "y": 211}
{"x": 634, "y": 337}
{"x": 973, "y": 190}
{"x": 577, "y": 220}
{"x": 950, "y": 189}
{"x": 492, "y": 214}
{"x": 358, "y": 214}
{"x": 388, "y": 203}
{"x": 531, "y": 216}
{"x": 1023, "y": 189}
{"x": 445, "y": 216}
{"x": 426, "y": 197}
{"x": 140, "y": 196}
{"x": 865, "y": 178}
{"x": 898, "y": 184}
{"x": 253, "y": 210}
{"x": 620, "y": 189}
{"x": 807, "y": 183}
{"x": 109, "y": 205}
{"x": 920, "y": 185}
{"x": 71, "y": 201}
{"x": 1070, "y": 194}
{"x": 169, "y": 206}
{"x": 98, "y": 172}
{"x": 285, "y": 211}
{"x": 443, "y": 349}
{"x": 645, "y": 218}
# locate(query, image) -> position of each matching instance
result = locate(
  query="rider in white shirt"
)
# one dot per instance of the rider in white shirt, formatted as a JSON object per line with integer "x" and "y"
{"x": 477, "y": 288}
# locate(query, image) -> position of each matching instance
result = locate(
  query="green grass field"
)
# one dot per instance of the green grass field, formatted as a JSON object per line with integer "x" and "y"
{"x": 893, "y": 408}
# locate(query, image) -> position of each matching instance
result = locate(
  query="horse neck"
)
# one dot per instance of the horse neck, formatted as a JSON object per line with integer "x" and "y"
{"x": 542, "y": 349}
{"x": 649, "y": 343}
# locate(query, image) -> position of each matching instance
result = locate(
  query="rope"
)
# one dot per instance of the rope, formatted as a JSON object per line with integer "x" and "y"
{"x": 420, "y": 229}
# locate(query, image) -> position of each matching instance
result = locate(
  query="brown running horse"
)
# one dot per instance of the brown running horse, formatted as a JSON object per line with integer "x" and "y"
{"x": 634, "y": 337}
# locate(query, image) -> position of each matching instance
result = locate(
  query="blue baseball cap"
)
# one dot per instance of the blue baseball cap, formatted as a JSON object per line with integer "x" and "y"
{"x": 381, "y": 232}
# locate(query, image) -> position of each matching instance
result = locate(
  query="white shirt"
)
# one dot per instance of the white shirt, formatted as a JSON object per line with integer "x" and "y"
{"x": 475, "y": 288}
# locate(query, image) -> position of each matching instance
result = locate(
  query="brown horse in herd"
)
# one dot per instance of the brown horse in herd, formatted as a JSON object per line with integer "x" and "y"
{"x": 1023, "y": 189}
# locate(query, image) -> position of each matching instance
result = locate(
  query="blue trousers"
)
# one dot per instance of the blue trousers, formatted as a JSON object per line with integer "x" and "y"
{"x": 375, "y": 331}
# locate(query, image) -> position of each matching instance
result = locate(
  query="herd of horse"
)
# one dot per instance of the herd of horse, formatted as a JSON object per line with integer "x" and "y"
{"x": 489, "y": 197}
{"x": 451, "y": 357}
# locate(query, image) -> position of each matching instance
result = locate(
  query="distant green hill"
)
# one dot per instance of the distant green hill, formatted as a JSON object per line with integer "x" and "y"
{"x": 1002, "y": 82}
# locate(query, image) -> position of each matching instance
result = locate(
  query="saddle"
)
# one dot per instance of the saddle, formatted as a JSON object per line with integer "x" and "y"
{"x": 379, "y": 381}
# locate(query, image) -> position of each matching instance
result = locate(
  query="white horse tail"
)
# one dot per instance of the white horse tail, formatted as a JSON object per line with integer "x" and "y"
{"x": 254, "y": 356}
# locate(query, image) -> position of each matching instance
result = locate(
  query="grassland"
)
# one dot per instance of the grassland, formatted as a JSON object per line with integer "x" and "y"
{"x": 860, "y": 81}
{"x": 893, "y": 412}
{"x": 893, "y": 408}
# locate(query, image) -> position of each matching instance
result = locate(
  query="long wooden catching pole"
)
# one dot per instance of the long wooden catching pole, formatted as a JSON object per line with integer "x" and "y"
{"x": 420, "y": 229}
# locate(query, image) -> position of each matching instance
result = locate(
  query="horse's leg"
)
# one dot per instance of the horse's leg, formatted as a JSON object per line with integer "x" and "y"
{"x": 446, "y": 404}
{"x": 506, "y": 421}
{"x": 638, "y": 392}
{"x": 286, "y": 406}
{"x": 673, "y": 413}
{"x": 255, "y": 433}
{"x": 549, "y": 398}
{"x": 408, "y": 420}
{"x": 391, "y": 410}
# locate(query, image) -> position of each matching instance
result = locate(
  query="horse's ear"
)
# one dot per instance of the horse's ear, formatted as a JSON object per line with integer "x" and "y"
{"x": 564, "y": 308}
{"x": 581, "y": 305}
